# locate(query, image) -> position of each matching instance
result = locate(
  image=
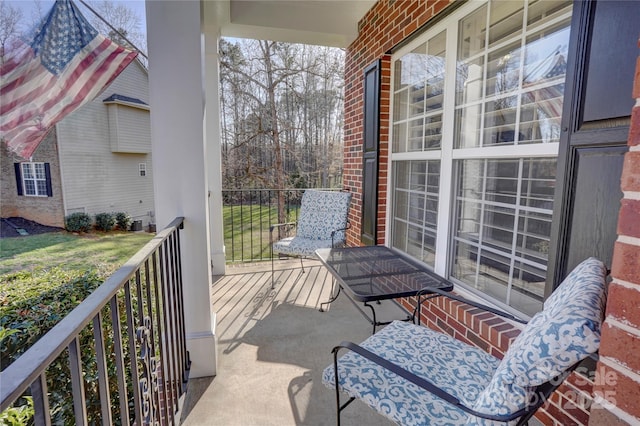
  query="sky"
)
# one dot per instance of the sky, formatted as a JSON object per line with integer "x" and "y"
{"x": 27, "y": 7}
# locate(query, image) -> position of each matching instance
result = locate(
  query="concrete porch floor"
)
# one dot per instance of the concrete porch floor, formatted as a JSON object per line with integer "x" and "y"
{"x": 273, "y": 346}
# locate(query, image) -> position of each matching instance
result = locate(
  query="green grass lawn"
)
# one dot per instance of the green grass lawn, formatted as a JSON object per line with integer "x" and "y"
{"x": 42, "y": 278}
{"x": 246, "y": 231}
{"x": 105, "y": 252}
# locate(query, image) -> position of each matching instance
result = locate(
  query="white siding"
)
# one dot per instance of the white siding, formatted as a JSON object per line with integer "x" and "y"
{"x": 94, "y": 178}
{"x": 129, "y": 129}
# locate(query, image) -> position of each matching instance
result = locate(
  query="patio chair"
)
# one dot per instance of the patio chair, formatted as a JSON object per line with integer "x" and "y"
{"x": 416, "y": 376}
{"x": 322, "y": 223}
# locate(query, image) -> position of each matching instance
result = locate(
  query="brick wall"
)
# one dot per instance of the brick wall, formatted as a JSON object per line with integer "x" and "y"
{"x": 385, "y": 25}
{"x": 382, "y": 28}
{"x": 618, "y": 382}
{"x": 45, "y": 210}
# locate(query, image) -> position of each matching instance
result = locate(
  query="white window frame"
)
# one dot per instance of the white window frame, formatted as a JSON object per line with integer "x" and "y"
{"x": 31, "y": 165}
{"x": 142, "y": 169}
{"x": 447, "y": 154}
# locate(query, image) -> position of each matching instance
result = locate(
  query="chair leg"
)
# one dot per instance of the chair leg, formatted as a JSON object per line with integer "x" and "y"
{"x": 301, "y": 264}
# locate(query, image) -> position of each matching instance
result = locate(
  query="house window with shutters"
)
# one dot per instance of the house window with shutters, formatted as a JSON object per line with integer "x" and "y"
{"x": 33, "y": 179}
{"x": 476, "y": 107}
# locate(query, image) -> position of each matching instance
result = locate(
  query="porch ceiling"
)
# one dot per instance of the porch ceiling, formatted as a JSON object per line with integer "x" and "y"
{"x": 322, "y": 22}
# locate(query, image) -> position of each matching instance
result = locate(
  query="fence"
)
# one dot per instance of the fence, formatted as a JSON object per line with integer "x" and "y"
{"x": 122, "y": 349}
{"x": 248, "y": 213}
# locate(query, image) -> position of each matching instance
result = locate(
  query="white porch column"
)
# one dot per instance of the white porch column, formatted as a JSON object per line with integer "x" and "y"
{"x": 180, "y": 160}
{"x": 213, "y": 133}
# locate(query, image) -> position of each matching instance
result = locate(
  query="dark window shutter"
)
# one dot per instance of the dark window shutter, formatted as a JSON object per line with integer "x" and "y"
{"x": 370, "y": 153}
{"x": 16, "y": 167}
{"x": 595, "y": 123}
{"x": 47, "y": 173}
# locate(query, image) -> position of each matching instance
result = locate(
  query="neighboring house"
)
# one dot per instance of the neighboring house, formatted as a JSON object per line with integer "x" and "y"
{"x": 460, "y": 152}
{"x": 98, "y": 159}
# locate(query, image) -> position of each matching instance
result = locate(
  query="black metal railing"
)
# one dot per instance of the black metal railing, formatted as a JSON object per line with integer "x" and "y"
{"x": 248, "y": 213}
{"x": 120, "y": 356}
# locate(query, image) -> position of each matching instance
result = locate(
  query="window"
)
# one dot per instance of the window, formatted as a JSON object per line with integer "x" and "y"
{"x": 477, "y": 103}
{"x": 142, "y": 167}
{"x": 33, "y": 179}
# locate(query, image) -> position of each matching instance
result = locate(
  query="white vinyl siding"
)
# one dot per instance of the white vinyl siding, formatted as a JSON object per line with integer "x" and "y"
{"x": 95, "y": 179}
{"x": 476, "y": 108}
{"x": 129, "y": 129}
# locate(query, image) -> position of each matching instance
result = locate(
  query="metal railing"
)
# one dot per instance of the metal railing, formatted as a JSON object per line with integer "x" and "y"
{"x": 122, "y": 349}
{"x": 248, "y": 213}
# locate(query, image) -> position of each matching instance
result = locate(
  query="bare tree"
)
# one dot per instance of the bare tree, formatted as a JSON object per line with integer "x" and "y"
{"x": 37, "y": 13}
{"x": 125, "y": 20}
{"x": 281, "y": 114}
{"x": 10, "y": 21}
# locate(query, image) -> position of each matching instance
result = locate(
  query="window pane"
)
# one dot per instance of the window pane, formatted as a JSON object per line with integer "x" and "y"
{"x": 538, "y": 183}
{"x": 27, "y": 171}
{"x": 502, "y": 228}
{"x": 512, "y": 93}
{"x": 468, "y": 123}
{"x": 416, "y": 208}
{"x": 469, "y": 80}
{"x": 39, "y": 167}
{"x": 418, "y": 97}
{"x": 30, "y": 187}
{"x": 500, "y": 122}
{"x": 42, "y": 187}
{"x": 503, "y": 70}
{"x": 472, "y": 32}
{"x": 400, "y": 105}
{"x": 540, "y": 10}
{"x": 416, "y": 132}
{"x": 505, "y": 20}
{"x": 400, "y": 137}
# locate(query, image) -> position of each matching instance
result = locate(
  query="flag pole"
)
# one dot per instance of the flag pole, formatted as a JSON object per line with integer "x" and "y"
{"x": 113, "y": 28}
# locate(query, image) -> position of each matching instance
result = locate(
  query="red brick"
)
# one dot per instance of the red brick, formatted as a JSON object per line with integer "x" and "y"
{"x": 560, "y": 415}
{"x": 630, "y": 180}
{"x": 629, "y": 218}
{"x": 636, "y": 80}
{"x": 620, "y": 345}
{"x": 456, "y": 325}
{"x": 626, "y": 262}
{"x": 579, "y": 382}
{"x": 496, "y": 352}
{"x": 497, "y": 331}
{"x": 634, "y": 131}
{"x": 600, "y": 416}
{"x": 576, "y": 404}
{"x": 477, "y": 340}
{"x": 623, "y": 304}
{"x": 618, "y": 389}
{"x": 507, "y": 337}
{"x": 488, "y": 326}
{"x": 543, "y": 417}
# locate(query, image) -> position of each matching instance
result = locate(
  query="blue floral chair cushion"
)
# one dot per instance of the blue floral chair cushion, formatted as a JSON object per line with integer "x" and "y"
{"x": 298, "y": 246}
{"x": 460, "y": 369}
{"x": 565, "y": 332}
{"x": 590, "y": 297}
{"x": 321, "y": 213}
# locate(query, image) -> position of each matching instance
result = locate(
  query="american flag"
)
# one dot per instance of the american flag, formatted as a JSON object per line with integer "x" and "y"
{"x": 66, "y": 64}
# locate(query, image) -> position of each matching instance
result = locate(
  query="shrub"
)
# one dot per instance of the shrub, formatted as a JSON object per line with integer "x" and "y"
{"x": 33, "y": 303}
{"x": 78, "y": 222}
{"x": 105, "y": 222}
{"x": 123, "y": 220}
